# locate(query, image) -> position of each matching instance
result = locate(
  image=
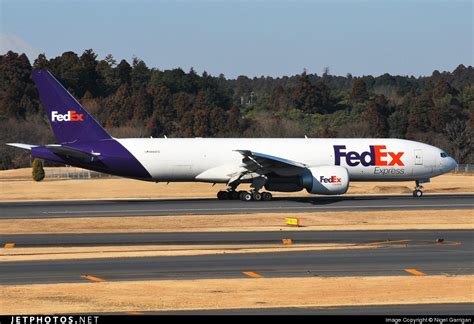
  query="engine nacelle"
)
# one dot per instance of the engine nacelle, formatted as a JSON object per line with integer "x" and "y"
{"x": 284, "y": 184}
{"x": 326, "y": 180}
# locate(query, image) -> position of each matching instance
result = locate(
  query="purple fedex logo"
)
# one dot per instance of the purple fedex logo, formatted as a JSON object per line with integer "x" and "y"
{"x": 376, "y": 156}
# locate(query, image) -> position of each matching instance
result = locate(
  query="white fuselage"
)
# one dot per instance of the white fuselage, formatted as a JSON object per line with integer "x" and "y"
{"x": 215, "y": 160}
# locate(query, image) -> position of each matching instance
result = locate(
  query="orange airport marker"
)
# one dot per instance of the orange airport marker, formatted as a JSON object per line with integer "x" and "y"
{"x": 92, "y": 278}
{"x": 415, "y": 272}
{"x": 252, "y": 274}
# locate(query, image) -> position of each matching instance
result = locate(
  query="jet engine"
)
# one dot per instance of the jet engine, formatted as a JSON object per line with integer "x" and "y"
{"x": 326, "y": 180}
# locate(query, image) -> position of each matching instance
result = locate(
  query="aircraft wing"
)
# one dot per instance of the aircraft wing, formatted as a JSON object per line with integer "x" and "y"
{"x": 264, "y": 163}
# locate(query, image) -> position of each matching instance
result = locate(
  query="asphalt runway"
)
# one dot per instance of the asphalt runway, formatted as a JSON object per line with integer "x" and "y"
{"x": 419, "y": 309}
{"x": 419, "y": 249}
{"x": 97, "y": 208}
{"x": 418, "y": 237}
{"x": 420, "y": 252}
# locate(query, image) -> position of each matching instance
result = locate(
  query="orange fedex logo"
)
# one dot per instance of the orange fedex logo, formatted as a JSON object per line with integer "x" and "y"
{"x": 70, "y": 116}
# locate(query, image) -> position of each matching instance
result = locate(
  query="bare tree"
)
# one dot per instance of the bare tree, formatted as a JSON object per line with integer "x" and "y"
{"x": 459, "y": 135}
{"x": 357, "y": 129}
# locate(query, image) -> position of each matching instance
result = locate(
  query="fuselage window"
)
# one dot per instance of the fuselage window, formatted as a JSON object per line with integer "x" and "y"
{"x": 443, "y": 155}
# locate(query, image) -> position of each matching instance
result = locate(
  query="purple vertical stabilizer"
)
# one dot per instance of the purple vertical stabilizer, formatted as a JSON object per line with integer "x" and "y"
{"x": 69, "y": 120}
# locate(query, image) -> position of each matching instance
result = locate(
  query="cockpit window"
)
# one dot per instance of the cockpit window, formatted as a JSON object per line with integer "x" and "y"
{"x": 443, "y": 155}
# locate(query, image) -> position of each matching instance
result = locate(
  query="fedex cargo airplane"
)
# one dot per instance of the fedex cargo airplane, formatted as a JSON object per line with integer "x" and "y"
{"x": 320, "y": 166}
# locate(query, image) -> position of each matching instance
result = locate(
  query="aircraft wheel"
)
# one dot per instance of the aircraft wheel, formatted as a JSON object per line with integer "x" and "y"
{"x": 234, "y": 195}
{"x": 245, "y": 196}
{"x": 222, "y": 195}
{"x": 266, "y": 196}
{"x": 417, "y": 193}
{"x": 257, "y": 196}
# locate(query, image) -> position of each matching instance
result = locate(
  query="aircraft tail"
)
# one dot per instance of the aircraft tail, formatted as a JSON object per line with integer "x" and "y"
{"x": 69, "y": 120}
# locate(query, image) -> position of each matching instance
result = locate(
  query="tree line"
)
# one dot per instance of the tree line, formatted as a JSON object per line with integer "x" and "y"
{"x": 134, "y": 100}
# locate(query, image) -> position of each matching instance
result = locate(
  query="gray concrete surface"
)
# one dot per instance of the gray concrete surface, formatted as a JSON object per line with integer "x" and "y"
{"x": 97, "y": 208}
{"x": 421, "y": 253}
{"x": 417, "y": 237}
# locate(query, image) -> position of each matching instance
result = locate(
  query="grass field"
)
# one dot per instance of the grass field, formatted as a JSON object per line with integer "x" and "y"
{"x": 136, "y": 251}
{"x": 311, "y": 221}
{"x": 18, "y": 185}
{"x": 156, "y": 295}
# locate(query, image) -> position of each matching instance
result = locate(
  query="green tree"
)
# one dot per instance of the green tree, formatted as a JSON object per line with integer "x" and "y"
{"x": 163, "y": 119}
{"x": 140, "y": 74}
{"x": 67, "y": 69}
{"x": 359, "y": 91}
{"x": 18, "y": 96}
{"x": 398, "y": 123}
{"x": 375, "y": 116}
{"x": 176, "y": 103}
{"x": 108, "y": 80}
{"x": 37, "y": 170}
{"x": 41, "y": 62}
{"x": 88, "y": 74}
{"x": 119, "y": 107}
{"x": 142, "y": 104}
{"x": 124, "y": 71}
{"x": 443, "y": 88}
{"x": 418, "y": 118}
{"x": 306, "y": 96}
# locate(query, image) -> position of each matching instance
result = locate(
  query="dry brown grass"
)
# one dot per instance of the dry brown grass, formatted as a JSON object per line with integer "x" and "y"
{"x": 110, "y": 252}
{"x": 169, "y": 295}
{"x": 321, "y": 221}
{"x": 17, "y": 185}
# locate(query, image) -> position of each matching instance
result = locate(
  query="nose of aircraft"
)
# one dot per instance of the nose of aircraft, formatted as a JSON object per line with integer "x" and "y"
{"x": 450, "y": 164}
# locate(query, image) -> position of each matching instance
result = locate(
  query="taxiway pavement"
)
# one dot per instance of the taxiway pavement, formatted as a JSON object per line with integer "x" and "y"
{"x": 122, "y": 207}
{"x": 418, "y": 250}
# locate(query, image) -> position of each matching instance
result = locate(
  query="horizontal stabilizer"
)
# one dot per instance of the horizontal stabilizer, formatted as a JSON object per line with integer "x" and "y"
{"x": 22, "y": 146}
{"x": 72, "y": 152}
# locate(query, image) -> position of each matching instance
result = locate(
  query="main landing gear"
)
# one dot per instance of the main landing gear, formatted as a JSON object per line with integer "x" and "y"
{"x": 244, "y": 195}
{"x": 257, "y": 183}
{"x": 418, "y": 190}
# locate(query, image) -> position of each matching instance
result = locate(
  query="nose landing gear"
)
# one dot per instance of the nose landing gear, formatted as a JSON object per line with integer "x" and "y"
{"x": 418, "y": 190}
